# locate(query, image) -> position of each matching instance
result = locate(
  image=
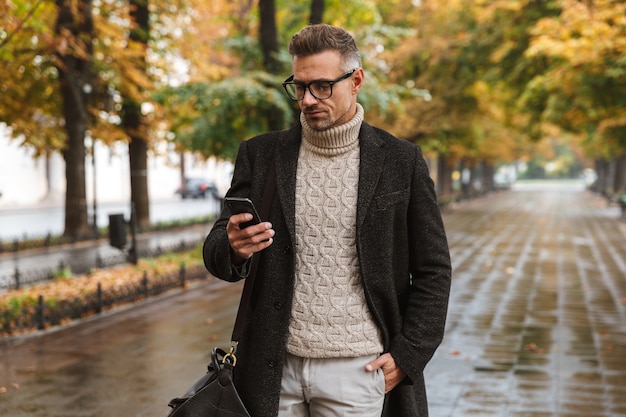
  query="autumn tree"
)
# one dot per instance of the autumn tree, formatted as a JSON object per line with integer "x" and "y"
{"x": 74, "y": 52}
{"x": 431, "y": 60}
{"x": 583, "y": 89}
{"x": 470, "y": 81}
{"x": 240, "y": 94}
{"x": 46, "y": 78}
{"x": 31, "y": 103}
{"x": 212, "y": 116}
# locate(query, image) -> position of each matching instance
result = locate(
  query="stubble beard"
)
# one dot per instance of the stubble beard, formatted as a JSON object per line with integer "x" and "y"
{"x": 320, "y": 123}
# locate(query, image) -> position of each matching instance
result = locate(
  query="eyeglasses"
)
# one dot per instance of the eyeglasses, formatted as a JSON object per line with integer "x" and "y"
{"x": 321, "y": 90}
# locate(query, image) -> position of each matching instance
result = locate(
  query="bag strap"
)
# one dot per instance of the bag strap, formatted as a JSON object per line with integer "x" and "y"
{"x": 266, "y": 204}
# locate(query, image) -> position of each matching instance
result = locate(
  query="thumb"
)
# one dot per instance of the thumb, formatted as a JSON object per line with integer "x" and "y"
{"x": 375, "y": 364}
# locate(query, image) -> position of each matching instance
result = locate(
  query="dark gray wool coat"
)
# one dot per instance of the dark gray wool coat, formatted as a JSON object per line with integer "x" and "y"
{"x": 403, "y": 255}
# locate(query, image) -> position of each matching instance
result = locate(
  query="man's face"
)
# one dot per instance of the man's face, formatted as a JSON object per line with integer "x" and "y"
{"x": 341, "y": 106}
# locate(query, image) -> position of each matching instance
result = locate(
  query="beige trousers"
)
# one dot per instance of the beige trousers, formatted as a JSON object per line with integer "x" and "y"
{"x": 331, "y": 388}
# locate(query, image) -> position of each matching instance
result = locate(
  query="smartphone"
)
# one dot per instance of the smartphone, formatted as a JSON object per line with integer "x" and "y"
{"x": 239, "y": 205}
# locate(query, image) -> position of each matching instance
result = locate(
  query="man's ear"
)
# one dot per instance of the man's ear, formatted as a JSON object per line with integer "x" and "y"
{"x": 357, "y": 80}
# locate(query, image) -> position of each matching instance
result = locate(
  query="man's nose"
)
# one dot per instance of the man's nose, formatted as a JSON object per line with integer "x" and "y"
{"x": 308, "y": 98}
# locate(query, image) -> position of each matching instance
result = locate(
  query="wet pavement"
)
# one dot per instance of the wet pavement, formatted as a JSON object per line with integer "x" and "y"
{"x": 536, "y": 328}
{"x": 537, "y": 320}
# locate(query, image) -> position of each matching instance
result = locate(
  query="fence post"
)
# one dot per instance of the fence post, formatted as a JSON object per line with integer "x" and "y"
{"x": 144, "y": 283}
{"x": 99, "y": 261}
{"x": 17, "y": 278}
{"x": 39, "y": 314}
{"x": 99, "y": 295}
{"x": 182, "y": 275}
{"x": 7, "y": 322}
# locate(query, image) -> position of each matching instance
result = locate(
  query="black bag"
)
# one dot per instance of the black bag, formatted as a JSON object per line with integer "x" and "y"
{"x": 214, "y": 394}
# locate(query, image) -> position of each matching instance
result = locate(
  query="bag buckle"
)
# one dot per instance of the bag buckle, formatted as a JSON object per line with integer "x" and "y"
{"x": 230, "y": 356}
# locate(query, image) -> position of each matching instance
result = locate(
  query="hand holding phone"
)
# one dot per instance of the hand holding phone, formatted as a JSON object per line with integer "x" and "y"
{"x": 238, "y": 205}
{"x": 245, "y": 245}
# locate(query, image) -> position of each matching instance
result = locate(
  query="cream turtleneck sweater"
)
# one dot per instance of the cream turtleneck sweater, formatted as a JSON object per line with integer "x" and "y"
{"x": 329, "y": 314}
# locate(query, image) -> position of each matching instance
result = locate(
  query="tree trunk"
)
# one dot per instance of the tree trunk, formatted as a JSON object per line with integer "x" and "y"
{"x": 466, "y": 178}
{"x": 135, "y": 126}
{"x": 619, "y": 182}
{"x": 444, "y": 179}
{"x": 602, "y": 172}
{"x": 183, "y": 167}
{"x": 488, "y": 172}
{"x": 138, "y": 154}
{"x": 138, "y": 159}
{"x": 317, "y": 12}
{"x": 74, "y": 32}
{"x": 268, "y": 36}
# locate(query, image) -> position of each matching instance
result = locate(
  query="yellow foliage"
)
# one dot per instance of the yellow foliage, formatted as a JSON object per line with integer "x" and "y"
{"x": 584, "y": 33}
{"x": 109, "y": 279}
{"x": 486, "y": 9}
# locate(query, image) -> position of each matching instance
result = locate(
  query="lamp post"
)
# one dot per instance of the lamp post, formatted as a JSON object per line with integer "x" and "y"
{"x": 87, "y": 90}
{"x": 91, "y": 145}
{"x": 95, "y": 204}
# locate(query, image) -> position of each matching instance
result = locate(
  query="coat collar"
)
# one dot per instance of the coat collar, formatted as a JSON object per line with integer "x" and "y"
{"x": 371, "y": 165}
{"x": 370, "y": 169}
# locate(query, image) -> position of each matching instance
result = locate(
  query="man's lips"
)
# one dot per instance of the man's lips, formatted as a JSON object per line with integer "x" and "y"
{"x": 313, "y": 112}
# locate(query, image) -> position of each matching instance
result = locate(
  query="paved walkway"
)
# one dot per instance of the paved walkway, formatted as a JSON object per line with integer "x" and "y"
{"x": 537, "y": 322}
{"x": 537, "y": 325}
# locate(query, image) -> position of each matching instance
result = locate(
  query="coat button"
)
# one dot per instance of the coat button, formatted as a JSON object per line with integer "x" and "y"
{"x": 270, "y": 364}
{"x": 278, "y": 305}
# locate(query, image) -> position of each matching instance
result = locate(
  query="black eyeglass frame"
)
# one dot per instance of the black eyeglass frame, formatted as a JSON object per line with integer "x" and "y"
{"x": 307, "y": 86}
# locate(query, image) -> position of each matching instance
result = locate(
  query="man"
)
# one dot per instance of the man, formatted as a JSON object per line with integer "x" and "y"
{"x": 351, "y": 294}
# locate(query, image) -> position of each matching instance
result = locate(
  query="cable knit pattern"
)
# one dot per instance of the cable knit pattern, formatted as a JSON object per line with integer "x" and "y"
{"x": 329, "y": 316}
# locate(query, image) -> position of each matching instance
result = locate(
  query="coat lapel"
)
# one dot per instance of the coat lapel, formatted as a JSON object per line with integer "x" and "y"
{"x": 371, "y": 166}
{"x": 286, "y": 166}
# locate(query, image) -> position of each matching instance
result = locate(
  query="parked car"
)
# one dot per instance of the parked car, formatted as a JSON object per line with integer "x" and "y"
{"x": 198, "y": 188}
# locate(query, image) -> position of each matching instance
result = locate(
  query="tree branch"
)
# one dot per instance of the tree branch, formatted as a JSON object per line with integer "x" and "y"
{"x": 30, "y": 14}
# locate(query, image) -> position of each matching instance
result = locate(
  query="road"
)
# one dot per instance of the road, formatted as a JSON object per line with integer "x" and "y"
{"x": 536, "y": 325}
{"x": 39, "y": 220}
{"x": 81, "y": 256}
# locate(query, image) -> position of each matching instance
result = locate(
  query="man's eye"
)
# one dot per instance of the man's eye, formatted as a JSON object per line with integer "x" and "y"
{"x": 321, "y": 86}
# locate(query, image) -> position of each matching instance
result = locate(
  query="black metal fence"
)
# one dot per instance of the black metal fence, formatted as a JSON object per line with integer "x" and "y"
{"x": 20, "y": 278}
{"x": 46, "y": 313}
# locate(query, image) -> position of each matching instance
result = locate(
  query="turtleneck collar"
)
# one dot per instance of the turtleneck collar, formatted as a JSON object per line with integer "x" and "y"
{"x": 336, "y": 140}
